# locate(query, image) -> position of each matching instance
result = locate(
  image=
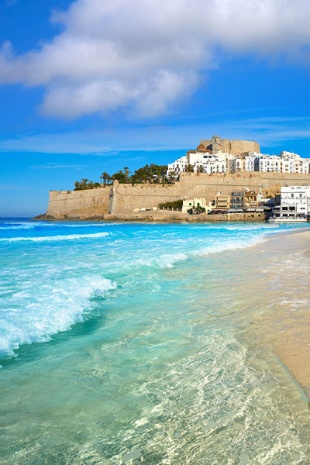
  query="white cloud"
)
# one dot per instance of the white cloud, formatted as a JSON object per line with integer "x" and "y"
{"x": 143, "y": 57}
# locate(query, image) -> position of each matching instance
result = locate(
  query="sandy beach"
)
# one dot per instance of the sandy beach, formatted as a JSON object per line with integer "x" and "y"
{"x": 287, "y": 322}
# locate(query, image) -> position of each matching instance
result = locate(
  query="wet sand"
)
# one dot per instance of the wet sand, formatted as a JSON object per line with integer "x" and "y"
{"x": 288, "y": 323}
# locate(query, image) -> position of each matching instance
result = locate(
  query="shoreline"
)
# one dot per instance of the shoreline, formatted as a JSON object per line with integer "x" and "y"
{"x": 161, "y": 217}
{"x": 287, "y": 325}
{"x": 286, "y": 330}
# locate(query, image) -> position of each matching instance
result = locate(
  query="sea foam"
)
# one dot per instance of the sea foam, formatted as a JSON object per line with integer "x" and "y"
{"x": 59, "y": 237}
{"x": 37, "y": 312}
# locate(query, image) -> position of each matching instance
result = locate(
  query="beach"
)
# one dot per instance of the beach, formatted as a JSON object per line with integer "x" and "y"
{"x": 154, "y": 343}
{"x": 289, "y": 324}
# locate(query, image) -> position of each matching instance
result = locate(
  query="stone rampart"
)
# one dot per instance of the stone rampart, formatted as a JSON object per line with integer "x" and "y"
{"x": 191, "y": 185}
{"x": 78, "y": 204}
{"x": 127, "y": 197}
{"x": 122, "y": 199}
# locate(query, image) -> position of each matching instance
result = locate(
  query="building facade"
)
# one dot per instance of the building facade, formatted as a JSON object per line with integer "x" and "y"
{"x": 294, "y": 204}
{"x": 222, "y": 201}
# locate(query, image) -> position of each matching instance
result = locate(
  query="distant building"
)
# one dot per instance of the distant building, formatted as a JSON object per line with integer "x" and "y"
{"x": 178, "y": 166}
{"x": 296, "y": 198}
{"x": 232, "y": 156}
{"x": 222, "y": 201}
{"x": 237, "y": 201}
{"x": 250, "y": 199}
{"x": 235, "y": 147}
{"x": 294, "y": 204}
{"x": 286, "y": 162}
{"x": 195, "y": 203}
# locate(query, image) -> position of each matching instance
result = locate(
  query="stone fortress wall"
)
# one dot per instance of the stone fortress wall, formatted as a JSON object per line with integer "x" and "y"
{"x": 235, "y": 147}
{"x": 122, "y": 199}
{"x": 78, "y": 204}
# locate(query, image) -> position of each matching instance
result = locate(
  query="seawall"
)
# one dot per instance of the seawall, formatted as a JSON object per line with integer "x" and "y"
{"x": 120, "y": 200}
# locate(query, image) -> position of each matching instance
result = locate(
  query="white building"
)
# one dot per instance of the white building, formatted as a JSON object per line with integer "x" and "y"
{"x": 221, "y": 162}
{"x": 294, "y": 206}
{"x": 178, "y": 166}
{"x": 268, "y": 163}
{"x": 296, "y": 198}
{"x": 286, "y": 162}
{"x": 205, "y": 162}
{"x": 200, "y": 162}
{"x": 245, "y": 163}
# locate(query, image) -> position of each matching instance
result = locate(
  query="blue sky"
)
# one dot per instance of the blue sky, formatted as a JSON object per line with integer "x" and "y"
{"x": 93, "y": 85}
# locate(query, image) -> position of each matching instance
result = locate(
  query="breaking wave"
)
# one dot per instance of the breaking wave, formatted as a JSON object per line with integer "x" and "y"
{"x": 37, "y": 312}
{"x": 69, "y": 237}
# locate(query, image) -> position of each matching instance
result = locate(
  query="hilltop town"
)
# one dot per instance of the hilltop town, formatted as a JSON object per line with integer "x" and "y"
{"x": 220, "y": 180}
{"x": 230, "y": 156}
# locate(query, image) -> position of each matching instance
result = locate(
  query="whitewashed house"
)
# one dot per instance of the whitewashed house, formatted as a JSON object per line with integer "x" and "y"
{"x": 203, "y": 161}
{"x": 178, "y": 166}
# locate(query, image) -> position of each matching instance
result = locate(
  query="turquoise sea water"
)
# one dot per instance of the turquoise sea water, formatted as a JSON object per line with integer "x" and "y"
{"x": 138, "y": 343}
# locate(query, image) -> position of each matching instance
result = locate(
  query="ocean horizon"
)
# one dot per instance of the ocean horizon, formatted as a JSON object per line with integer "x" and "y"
{"x": 128, "y": 343}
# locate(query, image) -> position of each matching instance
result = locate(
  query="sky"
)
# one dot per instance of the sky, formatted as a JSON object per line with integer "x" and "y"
{"x": 88, "y": 86}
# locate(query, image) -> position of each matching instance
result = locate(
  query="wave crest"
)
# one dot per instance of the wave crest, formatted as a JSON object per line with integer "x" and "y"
{"x": 38, "y": 312}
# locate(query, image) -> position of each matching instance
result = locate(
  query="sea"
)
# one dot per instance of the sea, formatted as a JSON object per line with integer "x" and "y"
{"x": 127, "y": 343}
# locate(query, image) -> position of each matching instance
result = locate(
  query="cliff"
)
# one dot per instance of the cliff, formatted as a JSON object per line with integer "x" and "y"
{"x": 120, "y": 200}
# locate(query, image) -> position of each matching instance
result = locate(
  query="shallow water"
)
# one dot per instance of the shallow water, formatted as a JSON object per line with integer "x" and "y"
{"x": 128, "y": 343}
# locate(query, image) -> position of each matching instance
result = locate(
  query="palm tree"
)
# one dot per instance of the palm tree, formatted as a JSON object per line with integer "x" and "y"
{"x": 126, "y": 172}
{"x": 172, "y": 176}
{"x": 105, "y": 177}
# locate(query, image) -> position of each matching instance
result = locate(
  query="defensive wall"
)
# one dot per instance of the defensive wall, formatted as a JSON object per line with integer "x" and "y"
{"x": 122, "y": 199}
{"x": 79, "y": 204}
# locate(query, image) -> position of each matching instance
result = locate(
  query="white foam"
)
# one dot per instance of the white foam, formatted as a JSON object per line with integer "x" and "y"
{"x": 168, "y": 260}
{"x": 84, "y": 225}
{"x": 162, "y": 261}
{"x": 57, "y": 238}
{"x": 37, "y": 312}
{"x": 14, "y": 226}
{"x": 232, "y": 244}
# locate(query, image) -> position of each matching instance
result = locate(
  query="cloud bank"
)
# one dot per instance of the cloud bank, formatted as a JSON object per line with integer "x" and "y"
{"x": 145, "y": 57}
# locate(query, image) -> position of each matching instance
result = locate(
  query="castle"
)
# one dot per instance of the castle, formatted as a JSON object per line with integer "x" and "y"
{"x": 235, "y": 147}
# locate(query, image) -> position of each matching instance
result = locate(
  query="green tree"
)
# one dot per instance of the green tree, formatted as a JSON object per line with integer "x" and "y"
{"x": 119, "y": 176}
{"x": 85, "y": 184}
{"x": 126, "y": 172}
{"x": 105, "y": 177}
